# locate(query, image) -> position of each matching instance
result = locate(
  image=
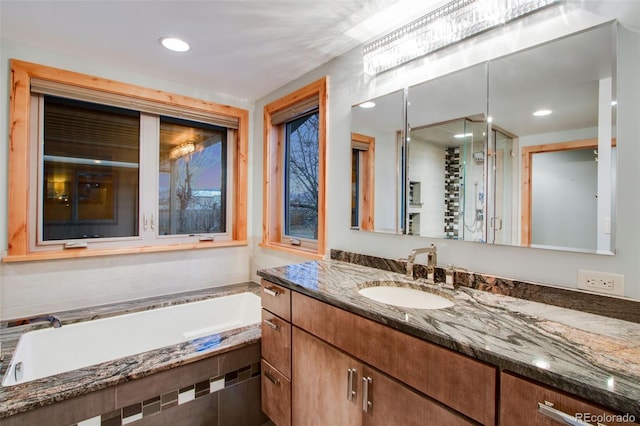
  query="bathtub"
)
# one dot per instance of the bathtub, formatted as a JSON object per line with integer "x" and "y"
{"x": 46, "y": 352}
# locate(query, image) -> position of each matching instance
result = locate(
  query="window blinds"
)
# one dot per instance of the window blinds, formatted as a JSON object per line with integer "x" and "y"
{"x": 296, "y": 110}
{"x": 46, "y": 87}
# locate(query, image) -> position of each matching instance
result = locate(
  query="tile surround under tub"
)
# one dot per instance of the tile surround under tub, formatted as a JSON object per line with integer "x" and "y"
{"x": 231, "y": 390}
{"x": 613, "y": 307}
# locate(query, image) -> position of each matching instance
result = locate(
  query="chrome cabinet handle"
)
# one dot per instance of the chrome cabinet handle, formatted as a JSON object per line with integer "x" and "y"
{"x": 272, "y": 379}
{"x": 351, "y": 393}
{"x": 271, "y": 291}
{"x": 366, "y": 403}
{"x": 271, "y": 324}
{"x": 546, "y": 409}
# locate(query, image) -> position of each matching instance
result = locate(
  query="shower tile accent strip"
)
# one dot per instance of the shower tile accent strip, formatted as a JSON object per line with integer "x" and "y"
{"x": 452, "y": 188}
{"x": 168, "y": 400}
{"x": 612, "y": 307}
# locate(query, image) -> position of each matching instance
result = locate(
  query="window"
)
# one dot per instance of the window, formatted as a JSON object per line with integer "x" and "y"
{"x": 108, "y": 167}
{"x": 294, "y": 172}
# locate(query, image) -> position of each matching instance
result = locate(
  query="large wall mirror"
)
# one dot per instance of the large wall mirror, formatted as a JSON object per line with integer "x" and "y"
{"x": 520, "y": 150}
{"x": 552, "y": 140}
{"x": 377, "y": 171}
{"x": 446, "y": 156}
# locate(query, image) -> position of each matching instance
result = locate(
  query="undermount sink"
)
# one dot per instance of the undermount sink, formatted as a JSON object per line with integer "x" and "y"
{"x": 406, "y": 297}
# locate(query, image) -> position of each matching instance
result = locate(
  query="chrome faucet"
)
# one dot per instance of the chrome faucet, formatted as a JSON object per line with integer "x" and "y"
{"x": 51, "y": 319}
{"x": 432, "y": 260}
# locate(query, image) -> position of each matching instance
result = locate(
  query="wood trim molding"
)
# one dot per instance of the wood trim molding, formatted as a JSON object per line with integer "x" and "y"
{"x": 367, "y": 198}
{"x": 527, "y": 153}
{"x": 19, "y": 233}
{"x": 273, "y": 173}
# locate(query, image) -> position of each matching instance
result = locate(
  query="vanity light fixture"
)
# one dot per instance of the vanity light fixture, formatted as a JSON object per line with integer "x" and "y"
{"x": 542, "y": 112}
{"x": 367, "y": 105}
{"x": 175, "y": 44}
{"x": 449, "y": 24}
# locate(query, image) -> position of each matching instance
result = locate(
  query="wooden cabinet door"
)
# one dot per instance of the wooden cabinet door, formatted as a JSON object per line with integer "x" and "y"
{"x": 391, "y": 403}
{"x": 319, "y": 381}
{"x": 519, "y": 400}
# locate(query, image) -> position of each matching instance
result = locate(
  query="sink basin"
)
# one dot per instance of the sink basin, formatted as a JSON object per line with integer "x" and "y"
{"x": 406, "y": 297}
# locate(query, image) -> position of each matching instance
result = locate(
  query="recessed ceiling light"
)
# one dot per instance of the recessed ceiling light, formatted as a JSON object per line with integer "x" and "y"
{"x": 463, "y": 135}
{"x": 542, "y": 112}
{"x": 368, "y": 104}
{"x": 175, "y": 44}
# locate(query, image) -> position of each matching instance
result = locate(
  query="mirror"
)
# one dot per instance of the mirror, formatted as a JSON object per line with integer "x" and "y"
{"x": 377, "y": 171}
{"x": 446, "y": 156}
{"x": 552, "y": 110}
{"x": 482, "y": 167}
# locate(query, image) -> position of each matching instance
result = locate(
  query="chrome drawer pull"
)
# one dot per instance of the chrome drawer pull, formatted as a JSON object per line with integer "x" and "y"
{"x": 366, "y": 403}
{"x": 271, "y": 324}
{"x": 546, "y": 409}
{"x": 271, "y": 291}
{"x": 351, "y": 393}
{"x": 272, "y": 379}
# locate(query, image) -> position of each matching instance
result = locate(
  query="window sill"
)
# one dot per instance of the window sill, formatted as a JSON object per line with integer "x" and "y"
{"x": 287, "y": 248}
{"x": 88, "y": 252}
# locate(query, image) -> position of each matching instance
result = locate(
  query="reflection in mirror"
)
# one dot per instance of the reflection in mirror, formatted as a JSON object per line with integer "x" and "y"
{"x": 446, "y": 156}
{"x": 556, "y": 104}
{"x": 377, "y": 165}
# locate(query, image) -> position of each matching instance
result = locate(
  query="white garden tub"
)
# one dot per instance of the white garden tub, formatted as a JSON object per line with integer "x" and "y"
{"x": 49, "y": 351}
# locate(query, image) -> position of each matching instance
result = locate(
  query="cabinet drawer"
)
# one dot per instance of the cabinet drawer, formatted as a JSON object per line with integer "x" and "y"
{"x": 519, "y": 400}
{"x": 276, "y": 342}
{"x": 440, "y": 373}
{"x": 276, "y": 299}
{"x": 276, "y": 395}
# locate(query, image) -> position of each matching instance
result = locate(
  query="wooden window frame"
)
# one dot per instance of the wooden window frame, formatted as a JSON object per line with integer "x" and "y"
{"x": 20, "y": 163}
{"x": 273, "y": 172}
{"x": 367, "y": 179}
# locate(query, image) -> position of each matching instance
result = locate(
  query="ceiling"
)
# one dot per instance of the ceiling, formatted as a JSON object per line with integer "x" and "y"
{"x": 242, "y": 48}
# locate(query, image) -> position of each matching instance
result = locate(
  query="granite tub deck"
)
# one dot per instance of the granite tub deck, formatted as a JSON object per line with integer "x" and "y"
{"x": 588, "y": 355}
{"x": 42, "y": 392}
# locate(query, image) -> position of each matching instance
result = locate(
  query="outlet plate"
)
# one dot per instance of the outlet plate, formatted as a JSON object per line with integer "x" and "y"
{"x": 601, "y": 282}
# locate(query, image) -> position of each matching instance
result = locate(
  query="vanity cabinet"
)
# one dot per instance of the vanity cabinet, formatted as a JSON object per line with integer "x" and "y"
{"x": 520, "y": 398}
{"x": 466, "y": 385}
{"x": 276, "y": 353}
{"x": 333, "y": 388}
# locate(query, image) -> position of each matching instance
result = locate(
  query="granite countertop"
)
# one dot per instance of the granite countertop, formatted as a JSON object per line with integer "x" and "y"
{"x": 38, "y": 393}
{"x": 588, "y": 355}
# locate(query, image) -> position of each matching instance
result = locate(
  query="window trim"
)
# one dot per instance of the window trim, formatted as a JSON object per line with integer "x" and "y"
{"x": 366, "y": 147}
{"x": 273, "y": 173}
{"x": 20, "y": 161}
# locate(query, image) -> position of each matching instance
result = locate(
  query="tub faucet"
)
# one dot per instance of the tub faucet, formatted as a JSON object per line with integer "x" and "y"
{"x": 432, "y": 261}
{"x": 51, "y": 319}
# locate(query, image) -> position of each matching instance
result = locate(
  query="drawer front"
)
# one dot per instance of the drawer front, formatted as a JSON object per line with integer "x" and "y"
{"x": 276, "y": 342}
{"x": 276, "y": 299}
{"x": 519, "y": 400}
{"x": 460, "y": 382}
{"x": 276, "y": 395}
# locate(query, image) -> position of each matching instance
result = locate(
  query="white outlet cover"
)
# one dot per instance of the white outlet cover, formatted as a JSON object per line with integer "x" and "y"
{"x": 618, "y": 282}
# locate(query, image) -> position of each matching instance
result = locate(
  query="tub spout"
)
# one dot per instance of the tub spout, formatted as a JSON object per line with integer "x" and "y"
{"x": 51, "y": 319}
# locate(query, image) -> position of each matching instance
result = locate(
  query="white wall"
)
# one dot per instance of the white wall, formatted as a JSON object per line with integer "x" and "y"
{"x": 348, "y": 85}
{"x": 34, "y": 287}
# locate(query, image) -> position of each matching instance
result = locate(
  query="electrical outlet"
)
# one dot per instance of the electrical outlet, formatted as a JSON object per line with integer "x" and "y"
{"x": 602, "y": 282}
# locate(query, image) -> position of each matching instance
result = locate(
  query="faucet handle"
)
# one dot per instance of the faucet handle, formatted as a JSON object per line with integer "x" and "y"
{"x": 450, "y": 277}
